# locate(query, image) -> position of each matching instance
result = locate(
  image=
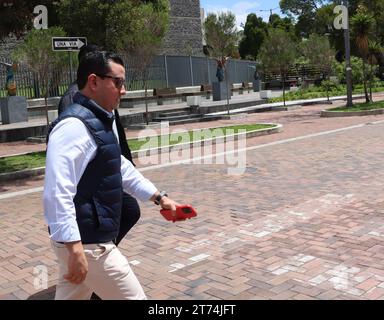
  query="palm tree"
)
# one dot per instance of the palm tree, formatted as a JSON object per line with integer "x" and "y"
{"x": 278, "y": 54}
{"x": 362, "y": 24}
{"x": 374, "y": 50}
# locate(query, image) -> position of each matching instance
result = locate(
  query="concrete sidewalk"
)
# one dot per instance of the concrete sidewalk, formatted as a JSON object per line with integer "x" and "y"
{"x": 36, "y": 126}
{"x": 21, "y": 147}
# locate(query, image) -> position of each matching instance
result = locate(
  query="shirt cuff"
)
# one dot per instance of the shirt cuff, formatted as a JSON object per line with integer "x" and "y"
{"x": 64, "y": 232}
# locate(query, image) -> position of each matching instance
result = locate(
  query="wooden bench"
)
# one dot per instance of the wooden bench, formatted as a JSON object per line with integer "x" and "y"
{"x": 207, "y": 89}
{"x": 291, "y": 82}
{"x": 38, "y": 111}
{"x": 277, "y": 83}
{"x": 273, "y": 84}
{"x": 131, "y": 102}
{"x": 167, "y": 94}
{"x": 246, "y": 86}
{"x": 306, "y": 83}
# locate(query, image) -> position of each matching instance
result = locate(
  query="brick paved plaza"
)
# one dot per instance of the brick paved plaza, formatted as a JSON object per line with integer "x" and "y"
{"x": 304, "y": 221}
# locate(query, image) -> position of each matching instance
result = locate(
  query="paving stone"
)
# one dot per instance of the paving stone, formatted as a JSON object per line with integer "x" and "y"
{"x": 304, "y": 221}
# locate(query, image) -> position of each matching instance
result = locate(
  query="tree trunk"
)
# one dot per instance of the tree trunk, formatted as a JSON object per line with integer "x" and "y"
{"x": 226, "y": 83}
{"x": 370, "y": 83}
{"x": 365, "y": 82}
{"x": 284, "y": 89}
{"x": 46, "y": 84}
{"x": 146, "y": 99}
{"x": 46, "y": 108}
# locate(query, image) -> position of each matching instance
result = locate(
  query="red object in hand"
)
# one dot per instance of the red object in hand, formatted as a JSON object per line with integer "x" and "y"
{"x": 184, "y": 211}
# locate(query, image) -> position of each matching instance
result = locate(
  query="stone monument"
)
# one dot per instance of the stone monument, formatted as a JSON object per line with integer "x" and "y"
{"x": 13, "y": 108}
{"x": 220, "y": 89}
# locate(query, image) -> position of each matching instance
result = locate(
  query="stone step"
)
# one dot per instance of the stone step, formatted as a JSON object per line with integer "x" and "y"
{"x": 39, "y": 110}
{"x": 41, "y": 102}
{"x": 173, "y": 114}
{"x": 175, "y": 118}
{"x": 195, "y": 119}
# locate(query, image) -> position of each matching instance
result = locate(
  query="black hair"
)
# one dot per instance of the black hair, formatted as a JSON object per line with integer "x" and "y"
{"x": 86, "y": 49}
{"x": 95, "y": 62}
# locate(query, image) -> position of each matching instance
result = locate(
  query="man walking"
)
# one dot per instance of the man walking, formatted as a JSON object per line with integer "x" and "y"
{"x": 84, "y": 181}
{"x": 130, "y": 211}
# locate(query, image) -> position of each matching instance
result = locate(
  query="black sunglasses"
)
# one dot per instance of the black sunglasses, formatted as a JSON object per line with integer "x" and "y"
{"x": 119, "y": 82}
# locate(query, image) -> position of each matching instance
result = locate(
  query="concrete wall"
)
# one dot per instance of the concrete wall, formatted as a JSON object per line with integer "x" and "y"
{"x": 184, "y": 36}
{"x": 6, "y": 47}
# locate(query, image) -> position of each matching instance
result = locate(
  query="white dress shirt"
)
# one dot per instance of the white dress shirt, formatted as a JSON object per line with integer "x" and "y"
{"x": 71, "y": 147}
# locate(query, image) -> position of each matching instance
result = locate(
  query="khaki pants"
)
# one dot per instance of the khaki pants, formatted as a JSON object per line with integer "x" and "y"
{"x": 109, "y": 275}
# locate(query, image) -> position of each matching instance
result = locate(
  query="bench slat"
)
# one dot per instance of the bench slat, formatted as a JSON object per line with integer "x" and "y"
{"x": 206, "y": 87}
{"x": 163, "y": 92}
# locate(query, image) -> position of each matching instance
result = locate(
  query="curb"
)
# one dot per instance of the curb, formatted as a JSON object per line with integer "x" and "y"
{"x": 153, "y": 151}
{"x": 181, "y": 146}
{"x": 22, "y": 174}
{"x": 329, "y": 114}
{"x": 287, "y": 108}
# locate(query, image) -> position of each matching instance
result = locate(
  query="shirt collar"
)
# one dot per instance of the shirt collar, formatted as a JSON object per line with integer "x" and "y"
{"x": 93, "y": 106}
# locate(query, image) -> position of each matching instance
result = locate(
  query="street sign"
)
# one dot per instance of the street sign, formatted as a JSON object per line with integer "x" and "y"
{"x": 68, "y": 43}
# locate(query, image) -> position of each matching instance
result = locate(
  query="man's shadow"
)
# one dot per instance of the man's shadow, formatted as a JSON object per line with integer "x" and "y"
{"x": 49, "y": 294}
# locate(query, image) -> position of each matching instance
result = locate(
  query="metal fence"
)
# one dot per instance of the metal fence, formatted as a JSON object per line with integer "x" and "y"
{"x": 164, "y": 71}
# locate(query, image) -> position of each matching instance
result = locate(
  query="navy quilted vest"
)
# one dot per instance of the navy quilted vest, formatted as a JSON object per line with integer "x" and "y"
{"x": 99, "y": 193}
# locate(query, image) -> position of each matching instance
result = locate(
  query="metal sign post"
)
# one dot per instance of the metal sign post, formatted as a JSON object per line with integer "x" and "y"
{"x": 68, "y": 44}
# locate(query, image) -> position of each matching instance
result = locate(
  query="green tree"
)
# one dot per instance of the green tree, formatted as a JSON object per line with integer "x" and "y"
{"x": 286, "y": 23}
{"x": 319, "y": 53}
{"x": 255, "y": 31}
{"x": 376, "y": 9}
{"x": 36, "y": 52}
{"x": 85, "y": 18}
{"x": 304, "y": 11}
{"x": 92, "y": 18}
{"x": 299, "y": 7}
{"x": 17, "y": 16}
{"x": 278, "y": 54}
{"x": 357, "y": 67}
{"x": 362, "y": 24}
{"x": 221, "y": 34}
{"x": 222, "y": 37}
{"x": 374, "y": 51}
{"x": 136, "y": 30}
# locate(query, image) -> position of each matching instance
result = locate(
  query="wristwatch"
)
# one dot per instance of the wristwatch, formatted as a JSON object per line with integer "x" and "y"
{"x": 158, "y": 198}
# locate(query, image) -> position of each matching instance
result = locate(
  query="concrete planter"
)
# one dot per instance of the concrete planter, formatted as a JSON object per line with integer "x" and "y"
{"x": 193, "y": 100}
{"x": 13, "y": 109}
{"x": 52, "y": 115}
{"x": 219, "y": 91}
{"x": 256, "y": 85}
{"x": 265, "y": 94}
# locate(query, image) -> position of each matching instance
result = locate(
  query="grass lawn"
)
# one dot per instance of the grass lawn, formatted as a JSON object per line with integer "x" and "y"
{"x": 360, "y": 107}
{"x": 319, "y": 92}
{"x": 37, "y": 159}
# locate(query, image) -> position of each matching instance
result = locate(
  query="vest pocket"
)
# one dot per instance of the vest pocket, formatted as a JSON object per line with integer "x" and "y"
{"x": 106, "y": 217}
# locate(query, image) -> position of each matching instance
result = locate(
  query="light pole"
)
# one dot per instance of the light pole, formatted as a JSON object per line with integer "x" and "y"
{"x": 348, "y": 68}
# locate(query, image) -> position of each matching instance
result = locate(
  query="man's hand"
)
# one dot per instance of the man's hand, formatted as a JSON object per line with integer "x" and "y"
{"x": 168, "y": 203}
{"x": 77, "y": 263}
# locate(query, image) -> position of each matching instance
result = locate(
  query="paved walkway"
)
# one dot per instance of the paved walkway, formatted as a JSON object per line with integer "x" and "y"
{"x": 304, "y": 221}
{"x": 11, "y": 148}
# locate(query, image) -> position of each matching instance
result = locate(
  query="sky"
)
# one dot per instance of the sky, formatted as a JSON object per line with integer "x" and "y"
{"x": 241, "y": 8}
